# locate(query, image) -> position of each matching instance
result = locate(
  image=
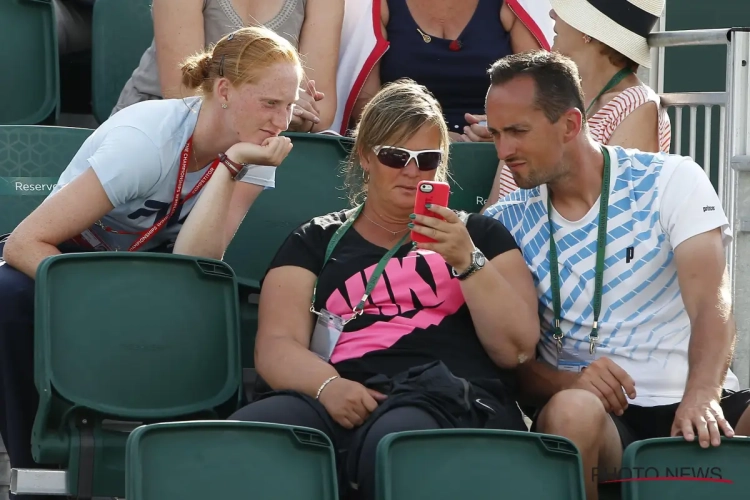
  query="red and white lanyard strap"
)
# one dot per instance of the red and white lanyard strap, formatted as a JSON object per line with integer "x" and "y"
{"x": 145, "y": 236}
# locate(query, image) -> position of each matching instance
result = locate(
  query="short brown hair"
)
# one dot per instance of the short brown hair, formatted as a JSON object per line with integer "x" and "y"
{"x": 394, "y": 115}
{"x": 558, "y": 84}
{"x": 240, "y": 57}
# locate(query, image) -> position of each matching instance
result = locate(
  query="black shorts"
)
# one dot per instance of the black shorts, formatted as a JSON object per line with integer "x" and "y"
{"x": 647, "y": 422}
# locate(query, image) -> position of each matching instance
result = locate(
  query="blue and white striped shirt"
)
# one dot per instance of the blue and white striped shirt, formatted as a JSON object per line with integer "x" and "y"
{"x": 657, "y": 201}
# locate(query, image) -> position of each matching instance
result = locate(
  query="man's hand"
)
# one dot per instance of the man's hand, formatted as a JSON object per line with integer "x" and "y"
{"x": 700, "y": 411}
{"x": 609, "y": 383}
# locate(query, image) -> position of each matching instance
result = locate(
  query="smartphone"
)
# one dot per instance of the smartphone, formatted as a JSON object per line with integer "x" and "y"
{"x": 429, "y": 192}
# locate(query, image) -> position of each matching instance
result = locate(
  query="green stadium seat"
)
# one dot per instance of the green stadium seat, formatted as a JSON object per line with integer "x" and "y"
{"x": 687, "y": 471}
{"x": 201, "y": 460}
{"x": 308, "y": 183}
{"x": 31, "y": 161}
{"x": 478, "y": 464}
{"x": 97, "y": 361}
{"x": 30, "y": 85}
{"x": 121, "y": 32}
{"x": 472, "y": 170}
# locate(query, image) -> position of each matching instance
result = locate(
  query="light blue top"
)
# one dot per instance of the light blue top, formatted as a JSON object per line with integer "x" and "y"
{"x": 136, "y": 156}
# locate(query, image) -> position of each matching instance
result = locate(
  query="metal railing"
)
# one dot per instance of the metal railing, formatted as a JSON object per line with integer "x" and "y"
{"x": 732, "y": 169}
{"x": 693, "y": 102}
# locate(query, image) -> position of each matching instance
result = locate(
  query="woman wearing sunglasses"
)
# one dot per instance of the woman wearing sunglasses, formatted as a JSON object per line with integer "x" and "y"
{"x": 362, "y": 333}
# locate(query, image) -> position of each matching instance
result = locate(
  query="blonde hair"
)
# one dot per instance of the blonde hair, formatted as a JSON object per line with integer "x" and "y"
{"x": 241, "y": 57}
{"x": 393, "y": 116}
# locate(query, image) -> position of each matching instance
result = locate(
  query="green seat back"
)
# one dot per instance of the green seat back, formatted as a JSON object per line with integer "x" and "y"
{"x": 130, "y": 337}
{"x": 308, "y": 183}
{"x": 30, "y": 82}
{"x": 121, "y": 31}
{"x": 31, "y": 161}
{"x": 723, "y": 470}
{"x": 477, "y": 464}
{"x": 200, "y": 460}
{"x": 472, "y": 171}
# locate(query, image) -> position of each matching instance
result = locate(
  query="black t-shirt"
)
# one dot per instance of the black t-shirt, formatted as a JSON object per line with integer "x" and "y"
{"x": 415, "y": 315}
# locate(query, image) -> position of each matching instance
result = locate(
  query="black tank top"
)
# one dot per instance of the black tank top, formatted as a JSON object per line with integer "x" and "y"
{"x": 457, "y": 78}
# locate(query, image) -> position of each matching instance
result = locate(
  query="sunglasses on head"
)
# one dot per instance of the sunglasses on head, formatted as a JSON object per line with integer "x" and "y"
{"x": 391, "y": 156}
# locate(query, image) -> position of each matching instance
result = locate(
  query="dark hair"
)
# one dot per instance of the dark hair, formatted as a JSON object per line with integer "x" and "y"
{"x": 558, "y": 84}
{"x": 618, "y": 59}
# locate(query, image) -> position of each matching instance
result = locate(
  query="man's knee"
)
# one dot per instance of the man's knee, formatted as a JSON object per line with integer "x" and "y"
{"x": 571, "y": 413}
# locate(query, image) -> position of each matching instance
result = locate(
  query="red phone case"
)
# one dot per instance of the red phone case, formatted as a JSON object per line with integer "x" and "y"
{"x": 429, "y": 192}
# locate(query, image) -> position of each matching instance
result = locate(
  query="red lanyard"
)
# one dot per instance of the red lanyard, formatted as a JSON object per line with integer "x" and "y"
{"x": 145, "y": 236}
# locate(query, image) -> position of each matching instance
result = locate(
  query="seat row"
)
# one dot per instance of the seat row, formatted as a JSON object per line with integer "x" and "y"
{"x": 136, "y": 382}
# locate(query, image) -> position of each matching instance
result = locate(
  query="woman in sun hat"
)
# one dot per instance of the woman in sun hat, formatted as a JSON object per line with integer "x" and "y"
{"x": 607, "y": 39}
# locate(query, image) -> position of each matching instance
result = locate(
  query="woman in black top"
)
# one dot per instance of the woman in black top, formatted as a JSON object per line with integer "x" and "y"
{"x": 430, "y": 342}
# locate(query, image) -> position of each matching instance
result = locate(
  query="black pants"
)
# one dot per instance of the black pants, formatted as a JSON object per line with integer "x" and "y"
{"x": 18, "y": 395}
{"x": 647, "y": 422}
{"x": 294, "y": 410}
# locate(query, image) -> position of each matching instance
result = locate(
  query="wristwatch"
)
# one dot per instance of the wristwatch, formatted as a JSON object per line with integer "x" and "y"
{"x": 233, "y": 167}
{"x": 478, "y": 260}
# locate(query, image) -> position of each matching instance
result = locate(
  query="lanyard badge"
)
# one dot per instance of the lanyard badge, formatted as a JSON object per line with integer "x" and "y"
{"x": 325, "y": 336}
{"x": 601, "y": 242}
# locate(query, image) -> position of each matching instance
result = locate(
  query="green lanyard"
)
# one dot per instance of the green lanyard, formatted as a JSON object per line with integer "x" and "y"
{"x": 340, "y": 232}
{"x": 601, "y": 243}
{"x": 612, "y": 83}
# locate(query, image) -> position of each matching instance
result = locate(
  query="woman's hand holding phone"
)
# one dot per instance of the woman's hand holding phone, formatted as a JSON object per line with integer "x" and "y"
{"x": 450, "y": 237}
{"x": 436, "y": 227}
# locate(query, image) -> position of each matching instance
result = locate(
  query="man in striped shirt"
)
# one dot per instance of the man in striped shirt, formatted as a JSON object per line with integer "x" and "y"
{"x": 630, "y": 270}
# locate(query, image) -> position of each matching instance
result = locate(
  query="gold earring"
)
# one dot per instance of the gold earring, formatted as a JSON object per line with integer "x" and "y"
{"x": 224, "y": 105}
{"x": 365, "y": 176}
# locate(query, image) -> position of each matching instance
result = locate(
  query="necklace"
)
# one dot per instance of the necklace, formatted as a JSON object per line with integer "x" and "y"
{"x": 427, "y": 38}
{"x": 394, "y": 233}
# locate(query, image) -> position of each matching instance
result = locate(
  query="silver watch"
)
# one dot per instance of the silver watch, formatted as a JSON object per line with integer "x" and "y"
{"x": 478, "y": 260}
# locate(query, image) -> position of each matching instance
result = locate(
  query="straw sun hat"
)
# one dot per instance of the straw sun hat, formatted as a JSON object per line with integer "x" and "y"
{"x": 623, "y": 25}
